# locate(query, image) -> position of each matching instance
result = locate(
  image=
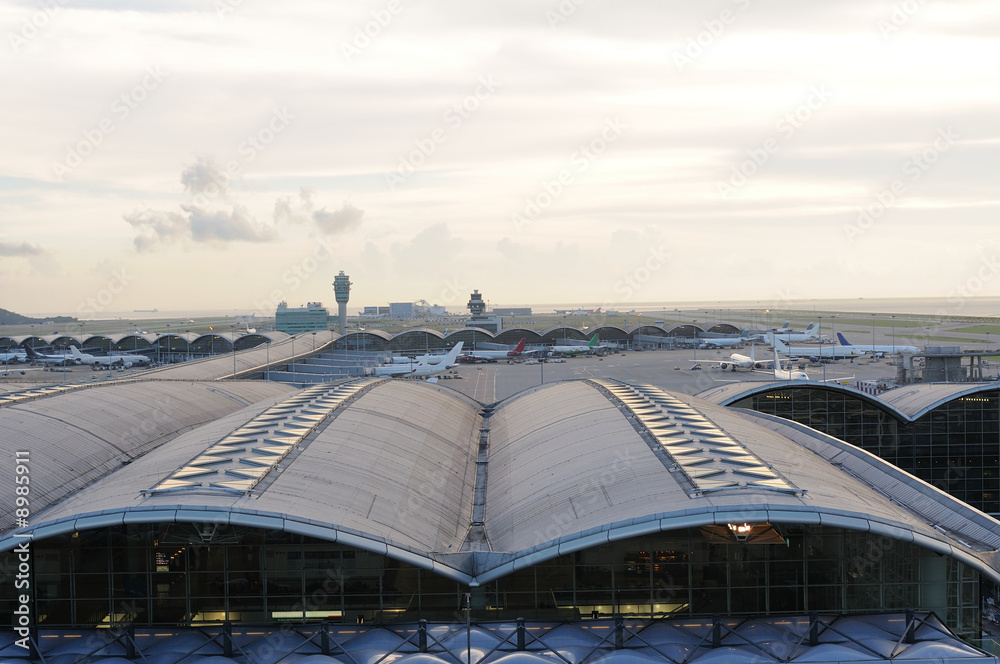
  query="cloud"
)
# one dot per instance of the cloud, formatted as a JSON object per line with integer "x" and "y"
{"x": 196, "y": 222}
{"x": 237, "y": 226}
{"x": 289, "y": 211}
{"x": 205, "y": 177}
{"x": 345, "y": 218}
{"x": 12, "y": 249}
{"x": 156, "y": 227}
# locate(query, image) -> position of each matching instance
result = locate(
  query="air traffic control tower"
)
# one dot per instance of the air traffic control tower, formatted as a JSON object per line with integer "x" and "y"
{"x": 342, "y": 292}
{"x": 478, "y": 309}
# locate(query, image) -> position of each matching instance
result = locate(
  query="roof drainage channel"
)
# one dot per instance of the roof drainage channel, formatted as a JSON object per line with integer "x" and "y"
{"x": 709, "y": 458}
{"x": 477, "y": 539}
{"x": 241, "y": 460}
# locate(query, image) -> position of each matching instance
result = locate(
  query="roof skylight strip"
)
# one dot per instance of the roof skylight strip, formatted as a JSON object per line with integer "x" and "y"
{"x": 256, "y": 447}
{"x": 708, "y": 456}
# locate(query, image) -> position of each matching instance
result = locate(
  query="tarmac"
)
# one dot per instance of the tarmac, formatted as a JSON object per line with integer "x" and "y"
{"x": 668, "y": 369}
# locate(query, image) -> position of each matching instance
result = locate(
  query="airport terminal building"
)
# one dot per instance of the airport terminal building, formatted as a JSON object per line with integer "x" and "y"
{"x": 947, "y": 434}
{"x": 168, "y": 511}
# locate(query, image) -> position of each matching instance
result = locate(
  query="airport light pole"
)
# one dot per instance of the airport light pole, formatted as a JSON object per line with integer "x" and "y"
{"x": 833, "y": 334}
{"x": 873, "y": 336}
{"x": 893, "y": 319}
{"x": 821, "y": 348}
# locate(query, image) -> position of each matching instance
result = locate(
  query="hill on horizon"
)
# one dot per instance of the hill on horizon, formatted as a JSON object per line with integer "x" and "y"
{"x": 11, "y": 318}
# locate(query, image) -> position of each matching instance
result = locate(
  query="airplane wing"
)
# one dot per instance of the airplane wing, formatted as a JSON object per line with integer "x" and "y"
{"x": 697, "y": 360}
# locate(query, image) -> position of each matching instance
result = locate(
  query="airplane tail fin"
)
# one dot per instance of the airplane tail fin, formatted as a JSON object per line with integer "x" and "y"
{"x": 842, "y": 340}
{"x": 74, "y": 351}
{"x": 453, "y": 354}
{"x": 779, "y": 345}
{"x": 520, "y": 347}
{"x": 593, "y": 341}
{"x": 30, "y": 351}
{"x": 785, "y": 326}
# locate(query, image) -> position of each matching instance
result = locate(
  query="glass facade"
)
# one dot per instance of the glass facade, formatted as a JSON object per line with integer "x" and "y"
{"x": 151, "y": 574}
{"x": 955, "y": 447}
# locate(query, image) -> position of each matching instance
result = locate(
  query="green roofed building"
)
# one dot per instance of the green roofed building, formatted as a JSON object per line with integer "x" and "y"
{"x": 309, "y": 318}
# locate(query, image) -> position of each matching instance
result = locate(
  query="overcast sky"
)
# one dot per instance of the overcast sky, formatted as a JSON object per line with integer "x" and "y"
{"x": 228, "y": 154}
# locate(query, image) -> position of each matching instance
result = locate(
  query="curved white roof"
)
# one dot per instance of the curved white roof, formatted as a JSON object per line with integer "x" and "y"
{"x": 393, "y": 469}
{"x": 909, "y": 402}
{"x": 78, "y": 435}
{"x": 253, "y": 359}
{"x": 917, "y": 400}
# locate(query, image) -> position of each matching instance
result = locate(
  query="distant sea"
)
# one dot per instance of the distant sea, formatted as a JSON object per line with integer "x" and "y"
{"x": 972, "y": 306}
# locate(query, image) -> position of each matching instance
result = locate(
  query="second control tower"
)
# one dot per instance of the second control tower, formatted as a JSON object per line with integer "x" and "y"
{"x": 342, "y": 292}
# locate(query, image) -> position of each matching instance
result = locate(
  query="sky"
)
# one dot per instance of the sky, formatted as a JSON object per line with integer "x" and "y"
{"x": 231, "y": 154}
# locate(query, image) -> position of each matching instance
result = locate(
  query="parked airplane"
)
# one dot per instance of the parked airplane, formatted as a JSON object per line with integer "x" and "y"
{"x": 786, "y": 374}
{"x": 723, "y": 342}
{"x": 494, "y": 355}
{"x": 107, "y": 360}
{"x": 830, "y": 352}
{"x": 737, "y": 361}
{"x": 428, "y": 359}
{"x": 576, "y": 350}
{"x": 811, "y": 332}
{"x": 54, "y": 360}
{"x": 880, "y": 349}
{"x": 7, "y": 358}
{"x": 584, "y": 312}
{"x": 421, "y": 369}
